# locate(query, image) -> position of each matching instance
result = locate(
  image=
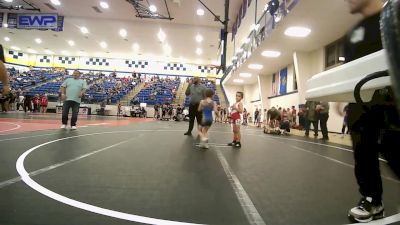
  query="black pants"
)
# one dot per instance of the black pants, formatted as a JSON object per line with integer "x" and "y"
{"x": 27, "y": 106}
{"x": 75, "y": 109}
{"x": 194, "y": 113}
{"x": 323, "y": 120}
{"x": 371, "y": 135}
{"x": 19, "y": 104}
{"x": 315, "y": 125}
{"x": 302, "y": 121}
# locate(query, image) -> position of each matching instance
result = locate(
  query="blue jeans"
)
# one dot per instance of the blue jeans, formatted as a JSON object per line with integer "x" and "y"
{"x": 75, "y": 109}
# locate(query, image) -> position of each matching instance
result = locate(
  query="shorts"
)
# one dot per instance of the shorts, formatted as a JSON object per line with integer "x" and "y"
{"x": 237, "y": 122}
{"x": 205, "y": 122}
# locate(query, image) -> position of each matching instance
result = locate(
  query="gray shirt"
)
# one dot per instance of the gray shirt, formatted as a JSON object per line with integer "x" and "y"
{"x": 196, "y": 93}
{"x": 74, "y": 88}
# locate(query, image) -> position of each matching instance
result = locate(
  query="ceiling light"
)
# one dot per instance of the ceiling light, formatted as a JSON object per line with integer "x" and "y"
{"x": 5, "y": 25}
{"x": 38, "y": 40}
{"x": 84, "y": 30}
{"x": 200, "y": 12}
{"x": 9, "y": 0}
{"x": 342, "y": 59}
{"x": 255, "y": 66}
{"x": 71, "y": 43}
{"x": 153, "y": 8}
{"x": 199, "y": 38}
{"x": 271, "y": 54}
{"x": 297, "y": 31}
{"x": 6, "y": 38}
{"x": 123, "y": 33}
{"x": 104, "y": 5}
{"x": 135, "y": 47}
{"x": 48, "y": 52}
{"x": 15, "y": 48}
{"x": 199, "y": 51}
{"x": 32, "y": 51}
{"x": 245, "y": 75}
{"x": 56, "y": 2}
{"x": 238, "y": 81}
{"x": 161, "y": 35}
{"x": 103, "y": 44}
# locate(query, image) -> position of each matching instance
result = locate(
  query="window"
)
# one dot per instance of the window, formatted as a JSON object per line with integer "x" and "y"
{"x": 334, "y": 54}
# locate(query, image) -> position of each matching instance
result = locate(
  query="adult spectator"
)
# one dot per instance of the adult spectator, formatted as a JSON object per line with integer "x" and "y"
{"x": 371, "y": 131}
{"x": 44, "y": 101}
{"x": 196, "y": 92}
{"x": 294, "y": 114}
{"x": 72, "y": 91}
{"x": 323, "y": 115}
{"x": 311, "y": 117}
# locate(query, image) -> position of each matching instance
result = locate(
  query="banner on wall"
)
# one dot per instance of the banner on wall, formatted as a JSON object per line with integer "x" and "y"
{"x": 283, "y": 81}
{"x": 274, "y": 84}
{"x": 35, "y": 21}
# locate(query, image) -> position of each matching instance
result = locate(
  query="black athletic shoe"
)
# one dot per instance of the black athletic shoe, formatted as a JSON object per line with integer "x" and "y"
{"x": 188, "y": 133}
{"x": 238, "y": 145}
{"x": 232, "y": 143}
{"x": 366, "y": 211}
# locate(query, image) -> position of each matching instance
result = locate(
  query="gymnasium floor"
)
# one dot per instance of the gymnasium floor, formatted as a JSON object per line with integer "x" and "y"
{"x": 126, "y": 171}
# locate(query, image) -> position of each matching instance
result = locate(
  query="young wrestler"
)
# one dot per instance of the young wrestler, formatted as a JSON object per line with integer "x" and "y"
{"x": 206, "y": 106}
{"x": 236, "y": 110}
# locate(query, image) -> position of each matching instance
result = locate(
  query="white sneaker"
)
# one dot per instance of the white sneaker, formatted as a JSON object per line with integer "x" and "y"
{"x": 73, "y": 128}
{"x": 63, "y": 126}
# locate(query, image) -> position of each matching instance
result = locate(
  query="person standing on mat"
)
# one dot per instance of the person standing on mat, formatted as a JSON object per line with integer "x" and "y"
{"x": 236, "y": 110}
{"x": 196, "y": 92}
{"x": 365, "y": 126}
{"x": 72, "y": 91}
{"x": 206, "y": 107}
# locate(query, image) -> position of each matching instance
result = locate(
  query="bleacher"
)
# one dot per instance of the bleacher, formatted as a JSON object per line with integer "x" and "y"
{"x": 209, "y": 85}
{"x": 27, "y": 79}
{"x": 51, "y": 88}
{"x": 158, "y": 92}
{"x": 108, "y": 90}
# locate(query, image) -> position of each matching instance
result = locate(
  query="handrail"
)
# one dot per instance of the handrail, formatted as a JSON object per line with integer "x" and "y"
{"x": 357, "y": 89}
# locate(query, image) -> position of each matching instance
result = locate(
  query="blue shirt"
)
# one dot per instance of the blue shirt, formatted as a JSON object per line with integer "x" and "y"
{"x": 74, "y": 88}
